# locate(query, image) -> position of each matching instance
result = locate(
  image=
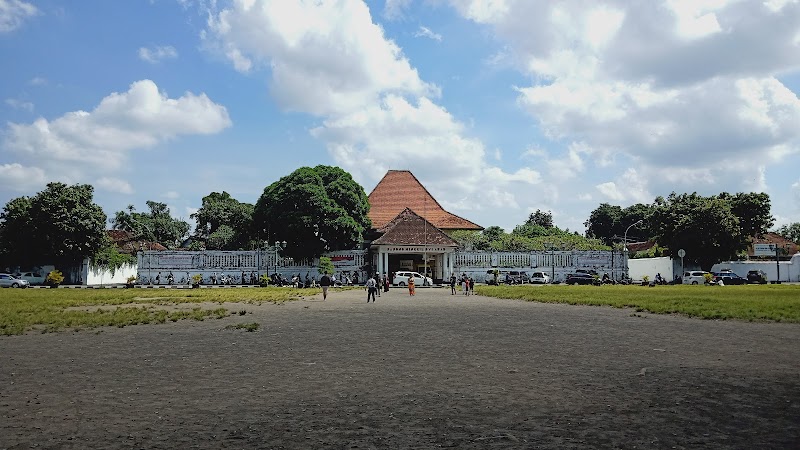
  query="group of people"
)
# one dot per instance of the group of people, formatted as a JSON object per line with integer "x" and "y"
{"x": 466, "y": 283}
{"x": 377, "y": 283}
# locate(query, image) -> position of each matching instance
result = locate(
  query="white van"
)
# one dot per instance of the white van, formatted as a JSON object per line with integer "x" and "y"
{"x": 694, "y": 277}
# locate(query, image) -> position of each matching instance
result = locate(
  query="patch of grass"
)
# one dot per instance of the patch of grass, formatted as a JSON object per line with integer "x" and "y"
{"x": 773, "y": 303}
{"x": 49, "y": 310}
{"x": 249, "y": 327}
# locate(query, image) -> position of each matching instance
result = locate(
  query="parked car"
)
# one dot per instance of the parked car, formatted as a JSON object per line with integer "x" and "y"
{"x": 694, "y": 277}
{"x": 581, "y": 278}
{"x": 729, "y": 277}
{"x": 518, "y": 277}
{"x": 34, "y": 278}
{"x": 501, "y": 277}
{"x": 8, "y": 280}
{"x": 540, "y": 278}
{"x": 401, "y": 279}
{"x": 757, "y": 277}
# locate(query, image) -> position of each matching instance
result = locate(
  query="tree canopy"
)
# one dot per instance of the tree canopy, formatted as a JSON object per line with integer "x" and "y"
{"x": 710, "y": 229}
{"x": 609, "y": 222}
{"x": 706, "y": 227}
{"x": 790, "y": 231}
{"x": 314, "y": 210}
{"x": 157, "y": 225}
{"x": 224, "y": 222}
{"x": 529, "y": 236}
{"x": 60, "y": 225}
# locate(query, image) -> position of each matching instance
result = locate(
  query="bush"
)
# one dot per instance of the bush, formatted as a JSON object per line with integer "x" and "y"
{"x": 197, "y": 279}
{"x": 263, "y": 281}
{"x": 54, "y": 278}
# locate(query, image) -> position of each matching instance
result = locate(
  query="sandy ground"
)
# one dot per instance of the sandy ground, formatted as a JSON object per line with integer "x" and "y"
{"x": 431, "y": 371}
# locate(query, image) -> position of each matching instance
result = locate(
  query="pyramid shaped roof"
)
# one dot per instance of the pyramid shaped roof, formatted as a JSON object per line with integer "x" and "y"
{"x": 408, "y": 228}
{"x": 400, "y": 189}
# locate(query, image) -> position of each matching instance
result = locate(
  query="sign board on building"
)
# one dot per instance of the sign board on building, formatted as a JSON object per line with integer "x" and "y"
{"x": 342, "y": 260}
{"x": 764, "y": 249}
{"x": 175, "y": 260}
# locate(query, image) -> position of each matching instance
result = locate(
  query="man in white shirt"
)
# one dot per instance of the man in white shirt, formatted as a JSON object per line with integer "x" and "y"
{"x": 371, "y": 288}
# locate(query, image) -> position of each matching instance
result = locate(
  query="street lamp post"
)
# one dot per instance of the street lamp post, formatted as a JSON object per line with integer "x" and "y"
{"x": 625, "y": 238}
{"x": 625, "y": 243}
{"x": 279, "y": 245}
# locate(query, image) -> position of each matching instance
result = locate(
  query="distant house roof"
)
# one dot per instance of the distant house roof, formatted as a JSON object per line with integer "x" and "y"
{"x": 400, "y": 189}
{"x": 408, "y": 228}
{"x": 127, "y": 242}
{"x": 634, "y": 247}
{"x": 775, "y": 238}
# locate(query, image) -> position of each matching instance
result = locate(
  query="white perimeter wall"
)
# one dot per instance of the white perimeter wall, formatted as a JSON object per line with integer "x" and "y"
{"x": 790, "y": 270}
{"x": 638, "y": 268}
{"x": 95, "y": 276}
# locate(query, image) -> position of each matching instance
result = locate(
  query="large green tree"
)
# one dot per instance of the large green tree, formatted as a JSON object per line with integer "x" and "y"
{"x": 790, "y": 231}
{"x": 314, "y": 210}
{"x": 60, "y": 225}
{"x": 157, "y": 225}
{"x": 541, "y": 218}
{"x": 224, "y": 222}
{"x": 705, "y": 227}
{"x": 609, "y": 222}
{"x": 753, "y": 211}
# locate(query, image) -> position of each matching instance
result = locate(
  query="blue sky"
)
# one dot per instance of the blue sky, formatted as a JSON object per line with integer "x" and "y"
{"x": 498, "y": 107}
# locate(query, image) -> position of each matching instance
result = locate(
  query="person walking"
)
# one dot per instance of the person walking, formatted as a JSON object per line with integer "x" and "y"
{"x": 465, "y": 284}
{"x": 325, "y": 283}
{"x": 471, "y": 286}
{"x": 378, "y": 285}
{"x": 453, "y": 284}
{"x": 411, "y": 288}
{"x": 371, "y": 287}
{"x": 385, "y": 283}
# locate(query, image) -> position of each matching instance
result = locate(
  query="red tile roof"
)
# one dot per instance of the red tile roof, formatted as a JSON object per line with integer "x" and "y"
{"x": 126, "y": 242}
{"x": 775, "y": 238}
{"x": 400, "y": 189}
{"x": 408, "y": 228}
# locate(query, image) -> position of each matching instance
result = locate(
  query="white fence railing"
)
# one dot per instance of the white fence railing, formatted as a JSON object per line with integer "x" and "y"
{"x": 242, "y": 266}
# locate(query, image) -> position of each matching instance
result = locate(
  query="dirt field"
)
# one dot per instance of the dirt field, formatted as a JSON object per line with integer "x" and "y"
{"x": 424, "y": 372}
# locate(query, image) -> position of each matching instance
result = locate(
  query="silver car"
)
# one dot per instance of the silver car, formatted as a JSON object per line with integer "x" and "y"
{"x": 7, "y": 280}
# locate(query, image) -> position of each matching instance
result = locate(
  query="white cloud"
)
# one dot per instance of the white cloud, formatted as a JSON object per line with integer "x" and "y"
{"x": 171, "y": 195}
{"x": 569, "y": 166}
{"x": 395, "y": 9}
{"x": 139, "y": 118}
{"x": 19, "y": 104}
{"x": 325, "y": 58}
{"x": 611, "y": 191}
{"x": 113, "y": 185}
{"x": 331, "y": 60}
{"x": 669, "y": 89}
{"x": 157, "y": 54}
{"x": 37, "y": 81}
{"x": 13, "y": 13}
{"x": 16, "y": 177}
{"x": 427, "y": 33}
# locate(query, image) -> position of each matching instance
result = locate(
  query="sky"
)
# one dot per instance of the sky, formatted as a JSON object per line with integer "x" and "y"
{"x": 499, "y": 107}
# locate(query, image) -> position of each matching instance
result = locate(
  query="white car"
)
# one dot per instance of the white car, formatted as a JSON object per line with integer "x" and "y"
{"x": 8, "y": 280}
{"x": 34, "y": 278}
{"x": 401, "y": 279}
{"x": 540, "y": 278}
{"x": 694, "y": 277}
